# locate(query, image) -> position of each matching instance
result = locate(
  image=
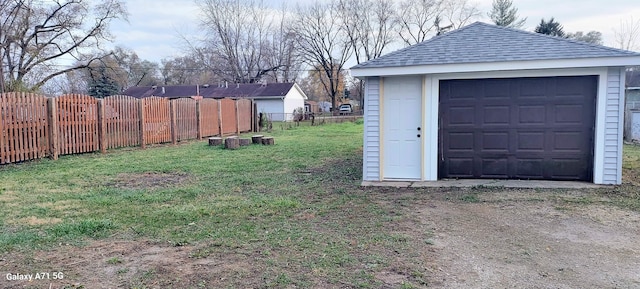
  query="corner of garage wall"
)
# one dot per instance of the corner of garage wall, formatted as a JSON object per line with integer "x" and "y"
{"x": 614, "y": 126}
{"x": 371, "y": 142}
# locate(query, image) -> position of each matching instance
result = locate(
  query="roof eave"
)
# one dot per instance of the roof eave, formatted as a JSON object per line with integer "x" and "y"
{"x": 497, "y": 66}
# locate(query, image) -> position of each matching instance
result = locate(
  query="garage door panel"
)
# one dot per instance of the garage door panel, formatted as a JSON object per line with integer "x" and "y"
{"x": 464, "y": 115}
{"x": 529, "y": 168}
{"x": 495, "y": 142}
{"x": 532, "y": 114}
{"x": 568, "y": 141}
{"x": 532, "y": 88}
{"x": 461, "y": 142}
{"x": 494, "y": 168}
{"x": 570, "y": 114}
{"x": 567, "y": 169}
{"x": 496, "y": 115}
{"x": 495, "y": 89}
{"x": 530, "y": 141}
{"x": 460, "y": 167}
{"x": 543, "y": 128}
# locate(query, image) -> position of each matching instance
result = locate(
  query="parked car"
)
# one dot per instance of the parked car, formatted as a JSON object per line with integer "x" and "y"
{"x": 345, "y": 108}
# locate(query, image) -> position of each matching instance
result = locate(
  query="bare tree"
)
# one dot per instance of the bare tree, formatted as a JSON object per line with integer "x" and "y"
{"x": 281, "y": 50}
{"x": 35, "y": 35}
{"x": 418, "y": 20}
{"x": 324, "y": 44}
{"x": 627, "y": 36}
{"x": 460, "y": 12}
{"x": 370, "y": 30}
{"x": 247, "y": 41}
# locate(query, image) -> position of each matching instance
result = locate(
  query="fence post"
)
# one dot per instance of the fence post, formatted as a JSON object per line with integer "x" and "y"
{"x": 142, "y": 120}
{"x": 52, "y": 115}
{"x": 254, "y": 116}
{"x": 172, "y": 119}
{"x": 220, "y": 116}
{"x": 235, "y": 103}
{"x": 102, "y": 128}
{"x": 198, "y": 120}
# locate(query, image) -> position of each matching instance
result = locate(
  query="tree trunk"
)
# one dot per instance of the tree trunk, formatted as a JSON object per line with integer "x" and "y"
{"x": 268, "y": 141}
{"x": 257, "y": 139}
{"x": 231, "y": 143}
{"x": 215, "y": 141}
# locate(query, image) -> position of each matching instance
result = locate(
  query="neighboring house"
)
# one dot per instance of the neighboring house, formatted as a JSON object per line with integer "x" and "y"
{"x": 632, "y": 105}
{"x": 324, "y": 106}
{"x": 633, "y": 89}
{"x": 491, "y": 102}
{"x": 278, "y": 100}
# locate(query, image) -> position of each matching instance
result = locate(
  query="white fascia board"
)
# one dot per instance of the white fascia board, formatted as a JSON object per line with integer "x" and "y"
{"x": 497, "y": 66}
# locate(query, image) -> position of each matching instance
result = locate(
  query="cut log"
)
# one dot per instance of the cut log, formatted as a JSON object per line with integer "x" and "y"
{"x": 244, "y": 142}
{"x": 215, "y": 141}
{"x": 231, "y": 143}
{"x": 268, "y": 141}
{"x": 257, "y": 139}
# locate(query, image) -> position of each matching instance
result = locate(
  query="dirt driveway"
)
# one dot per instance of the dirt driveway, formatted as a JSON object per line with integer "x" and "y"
{"x": 530, "y": 239}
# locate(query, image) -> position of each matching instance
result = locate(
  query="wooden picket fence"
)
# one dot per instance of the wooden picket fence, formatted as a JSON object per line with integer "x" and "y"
{"x": 33, "y": 126}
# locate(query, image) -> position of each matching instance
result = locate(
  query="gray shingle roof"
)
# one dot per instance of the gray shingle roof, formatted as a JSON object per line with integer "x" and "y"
{"x": 481, "y": 42}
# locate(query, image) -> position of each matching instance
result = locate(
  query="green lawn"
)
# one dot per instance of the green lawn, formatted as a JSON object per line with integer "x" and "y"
{"x": 298, "y": 203}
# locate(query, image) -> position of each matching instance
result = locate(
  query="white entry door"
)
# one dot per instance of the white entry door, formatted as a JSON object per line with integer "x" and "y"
{"x": 402, "y": 127}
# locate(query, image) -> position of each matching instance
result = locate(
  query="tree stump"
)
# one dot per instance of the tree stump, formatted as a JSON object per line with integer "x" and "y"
{"x": 244, "y": 142}
{"x": 231, "y": 143}
{"x": 268, "y": 141}
{"x": 257, "y": 139}
{"x": 215, "y": 141}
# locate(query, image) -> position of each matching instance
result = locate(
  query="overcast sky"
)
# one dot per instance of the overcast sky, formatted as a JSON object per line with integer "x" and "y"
{"x": 155, "y": 26}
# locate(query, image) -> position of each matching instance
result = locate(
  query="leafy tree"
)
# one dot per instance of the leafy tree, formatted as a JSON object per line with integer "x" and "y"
{"x": 551, "y": 27}
{"x": 593, "y": 37}
{"x": 504, "y": 14}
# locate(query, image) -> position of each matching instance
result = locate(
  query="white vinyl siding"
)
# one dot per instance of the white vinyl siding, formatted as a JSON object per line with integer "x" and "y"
{"x": 613, "y": 126}
{"x": 292, "y": 101}
{"x": 371, "y": 151}
{"x": 273, "y": 107}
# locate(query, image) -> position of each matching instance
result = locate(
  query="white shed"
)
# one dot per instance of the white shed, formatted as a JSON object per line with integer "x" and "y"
{"x": 491, "y": 102}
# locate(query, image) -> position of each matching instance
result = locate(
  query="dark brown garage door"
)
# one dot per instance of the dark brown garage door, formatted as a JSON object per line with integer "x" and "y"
{"x": 518, "y": 128}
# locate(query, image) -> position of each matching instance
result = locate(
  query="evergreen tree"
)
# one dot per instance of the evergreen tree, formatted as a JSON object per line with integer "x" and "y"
{"x": 504, "y": 14}
{"x": 550, "y": 28}
{"x": 101, "y": 83}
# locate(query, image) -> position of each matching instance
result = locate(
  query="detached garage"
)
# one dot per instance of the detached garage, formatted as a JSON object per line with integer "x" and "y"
{"x": 491, "y": 102}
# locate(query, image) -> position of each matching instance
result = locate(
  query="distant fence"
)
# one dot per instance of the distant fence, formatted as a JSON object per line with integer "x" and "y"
{"x": 33, "y": 126}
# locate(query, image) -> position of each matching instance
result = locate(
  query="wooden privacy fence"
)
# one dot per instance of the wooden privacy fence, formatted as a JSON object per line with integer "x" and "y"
{"x": 33, "y": 126}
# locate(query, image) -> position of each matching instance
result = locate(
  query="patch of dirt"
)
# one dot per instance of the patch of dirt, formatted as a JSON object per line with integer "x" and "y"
{"x": 529, "y": 243}
{"x": 35, "y": 221}
{"x": 8, "y": 196}
{"x": 150, "y": 180}
{"x": 129, "y": 264}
